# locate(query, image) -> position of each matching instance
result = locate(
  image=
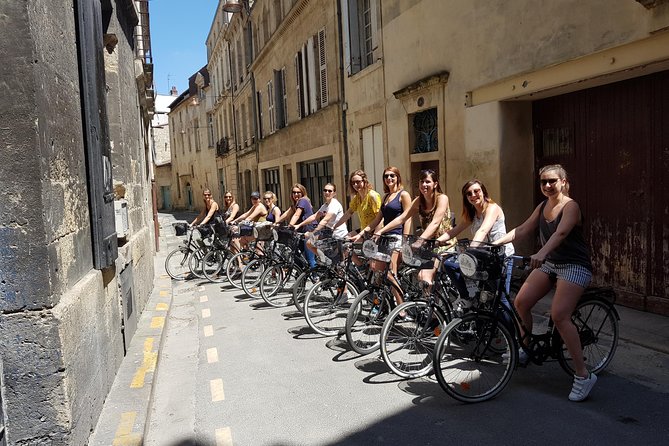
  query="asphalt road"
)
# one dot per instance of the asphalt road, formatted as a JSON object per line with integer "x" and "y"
{"x": 235, "y": 371}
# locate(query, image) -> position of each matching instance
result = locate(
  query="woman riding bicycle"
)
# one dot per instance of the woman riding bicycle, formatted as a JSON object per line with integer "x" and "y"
{"x": 481, "y": 214}
{"x": 394, "y": 203}
{"x": 230, "y": 207}
{"x": 435, "y": 215}
{"x": 298, "y": 212}
{"x": 209, "y": 212}
{"x": 563, "y": 260}
{"x": 365, "y": 201}
{"x": 273, "y": 211}
{"x": 328, "y": 215}
{"x": 256, "y": 213}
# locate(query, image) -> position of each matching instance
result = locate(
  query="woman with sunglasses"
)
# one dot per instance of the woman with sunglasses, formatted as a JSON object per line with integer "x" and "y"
{"x": 563, "y": 261}
{"x": 256, "y": 213}
{"x": 230, "y": 207}
{"x": 365, "y": 201}
{"x": 328, "y": 214}
{"x": 432, "y": 206}
{"x": 395, "y": 201}
{"x": 481, "y": 214}
{"x": 273, "y": 211}
{"x": 300, "y": 210}
{"x": 210, "y": 210}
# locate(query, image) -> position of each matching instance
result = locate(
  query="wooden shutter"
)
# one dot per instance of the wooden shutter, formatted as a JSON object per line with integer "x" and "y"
{"x": 322, "y": 69}
{"x": 298, "y": 83}
{"x": 96, "y": 132}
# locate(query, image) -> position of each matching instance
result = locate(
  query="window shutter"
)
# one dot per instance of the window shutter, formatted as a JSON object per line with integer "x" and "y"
{"x": 270, "y": 107}
{"x": 354, "y": 35}
{"x": 285, "y": 95}
{"x": 312, "y": 73}
{"x": 259, "y": 105}
{"x": 323, "y": 72}
{"x": 298, "y": 78}
{"x": 278, "y": 100}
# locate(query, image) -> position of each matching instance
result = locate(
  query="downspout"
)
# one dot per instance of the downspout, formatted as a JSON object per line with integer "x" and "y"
{"x": 342, "y": 94}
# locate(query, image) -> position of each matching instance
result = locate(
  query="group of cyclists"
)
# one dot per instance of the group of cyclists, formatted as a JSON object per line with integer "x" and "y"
{"x": 563, "y": 261}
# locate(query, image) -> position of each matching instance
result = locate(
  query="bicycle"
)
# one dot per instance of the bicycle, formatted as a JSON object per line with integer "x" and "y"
{"x": 476, "y": 354}
{"x": 370, "y": 309}
{"x": 185, "y": 260}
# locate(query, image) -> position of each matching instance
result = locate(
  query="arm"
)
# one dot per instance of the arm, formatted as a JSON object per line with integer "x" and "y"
{"x": 210, "y": 214}
{"x": 442, "y": 206}
{"x": 276, "y": 212}
{"x": 325, "y": 220}
{"x": 526, "y": 228}
{"x": 199, "y": 217}
{"x": 243, "y": 216}
{"x": 308, "y": 220}
{"x": 285, "y": 215}
{"x": 454, "y": 232}
{"x": 234, "y": 208}
{"x": 409, "y": 211}
{"x": 296, "y": 216}
{"x": 344, "y": 218}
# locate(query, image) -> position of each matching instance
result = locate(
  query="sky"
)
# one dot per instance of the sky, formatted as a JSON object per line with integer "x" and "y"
{"x": 179, "y": 30}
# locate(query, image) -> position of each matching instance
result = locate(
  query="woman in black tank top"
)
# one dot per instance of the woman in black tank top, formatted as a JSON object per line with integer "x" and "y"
{"x": 563, "y": 259}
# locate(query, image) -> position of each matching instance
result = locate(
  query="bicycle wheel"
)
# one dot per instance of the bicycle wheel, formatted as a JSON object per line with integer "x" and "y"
{"x": 195, "y": 262}
{"x": 276, "y": 285}
{"x": 466, "y": 366}
{"x": 597, "y": 327}
{"x": 303, "y": 284}
{"x": 214, "y": 264}
{"x": 365, "y": 320}
{"x": 235, "y": 267}
{"x": 251, "y": 277}
{"x": 326, "y": 306}
{"x": 408, "y": 337}
{"x": 176, "y": 263}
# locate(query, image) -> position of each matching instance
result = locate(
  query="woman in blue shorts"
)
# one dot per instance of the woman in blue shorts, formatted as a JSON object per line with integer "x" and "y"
{"x": 563, "y": 260}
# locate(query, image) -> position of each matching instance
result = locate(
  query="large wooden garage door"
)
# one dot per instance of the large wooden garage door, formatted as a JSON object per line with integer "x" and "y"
{"x": 614, "y": 142}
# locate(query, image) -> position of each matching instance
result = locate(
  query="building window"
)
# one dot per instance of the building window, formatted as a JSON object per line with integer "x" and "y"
{"x": 211, "y": 137}
{"x": 361, "y": 33}
{"x": 196, "y": 131}
{"x": 314, "y": 175}
{"x": 272, "y": 184}
{"x": 311, "y": 69}
{"x": 280, "y": 110}
{"x": 425, "y": 131}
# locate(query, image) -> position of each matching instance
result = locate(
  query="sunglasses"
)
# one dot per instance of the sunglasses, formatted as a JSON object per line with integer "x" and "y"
{"x": 228, "y": 198}
{"x": 267, "y": 198}
{"x": 297, "y": 192}
{"x": 389, "y": 175}
{"x": 327, "y": 191}
{"x": 550, "y": 181}
{"x": 357, "y": 182}
{"x": 207, "y": 195}
{"x": 471, "y": 193}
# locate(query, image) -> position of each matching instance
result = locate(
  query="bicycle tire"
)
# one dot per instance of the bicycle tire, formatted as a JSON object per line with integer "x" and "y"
{"x": 465, "y": 367}
{"x": 233, "y": 271}
{"x": 322, "y": 312}
{"x": 251, "y": 277}
{"x": 303, "y": 284}
{"x": 195, "y": 261}
{"x": 407, "y": 345}
{"x": 276, "y": 285}
{"x": 597, "y": 325}
{"x": 365, "y": 320}
{"x": 214, "y": 264}
{"x": 176, "y": 263}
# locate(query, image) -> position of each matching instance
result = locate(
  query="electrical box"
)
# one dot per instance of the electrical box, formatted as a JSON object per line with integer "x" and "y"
{"x": 121, "y": 217}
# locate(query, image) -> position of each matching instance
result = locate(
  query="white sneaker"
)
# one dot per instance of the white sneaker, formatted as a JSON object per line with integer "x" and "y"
{"x": 523, "y": 357}
{"x": 582, "y": 387}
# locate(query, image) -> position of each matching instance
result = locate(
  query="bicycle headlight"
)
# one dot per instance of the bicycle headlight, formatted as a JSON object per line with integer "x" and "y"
{"x": 408, "y": 257}
{"x": 468, "y": 264}
{"x": 369, "y": 248}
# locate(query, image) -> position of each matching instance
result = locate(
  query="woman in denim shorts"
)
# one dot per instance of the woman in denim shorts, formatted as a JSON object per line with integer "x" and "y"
{"x": 563, "y": 260}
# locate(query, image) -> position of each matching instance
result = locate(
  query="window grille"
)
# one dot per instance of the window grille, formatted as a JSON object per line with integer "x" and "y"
{"x": 425, "y": 130}
{"x": 314, "y": 175}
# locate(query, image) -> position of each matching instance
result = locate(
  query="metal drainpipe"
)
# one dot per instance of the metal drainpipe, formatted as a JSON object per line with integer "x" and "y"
{"x": 342, "y": 94}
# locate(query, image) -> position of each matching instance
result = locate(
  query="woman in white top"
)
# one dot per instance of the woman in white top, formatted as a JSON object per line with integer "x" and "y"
{"x": 481, "y": 214}
{"x": 328, "y": 214}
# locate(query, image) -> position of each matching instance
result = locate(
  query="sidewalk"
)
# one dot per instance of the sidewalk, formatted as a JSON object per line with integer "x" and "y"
{"x": 642, "y": 355}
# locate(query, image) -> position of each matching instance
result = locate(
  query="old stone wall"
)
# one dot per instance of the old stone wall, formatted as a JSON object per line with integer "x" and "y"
{"x": 60, "y": 320}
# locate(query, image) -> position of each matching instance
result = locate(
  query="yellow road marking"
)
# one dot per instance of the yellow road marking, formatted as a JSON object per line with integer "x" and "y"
{"x": 216, "y": 387}
{"x": 164, "y": 276}
{"x": 212, "y": 355}
{"x": 204, "y": 298}
{"x": 162, "y": 307}
{"x": 208, "y": 331}
{"x": 224, "y": 437}
{"x": 206, "y": 313}
{"x": 124, "y": 435}
{"x": 148, "y": 365}
{"x": 157, "y": 322}
{"x": 164, "y": 293}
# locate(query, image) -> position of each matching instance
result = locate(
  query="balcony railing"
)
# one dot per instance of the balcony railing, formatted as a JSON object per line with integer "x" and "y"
{"x": 222, "y": 147}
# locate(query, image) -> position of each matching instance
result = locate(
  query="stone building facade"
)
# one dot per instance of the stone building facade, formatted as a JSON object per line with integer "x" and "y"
{"x": 472, "y": 89}
{"x": 160, "y": 144}
{"x": 76, "y": 83}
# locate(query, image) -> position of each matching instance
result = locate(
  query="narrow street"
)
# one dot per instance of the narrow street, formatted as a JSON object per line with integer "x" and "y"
{"x": 232, "y": 370}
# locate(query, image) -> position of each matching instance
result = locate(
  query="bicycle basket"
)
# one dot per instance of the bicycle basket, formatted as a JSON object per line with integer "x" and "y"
{"x": 221, "y": 228}
{"x": 378, "y": 253}
{"x": 418, "y": 252}
{"x": 263, "y": 231}
{"x": 205, "y": 231}
{"x": 329, "y": 251}
{"x": 180, "y": 228}
{"x": 246, "y": 228}
{"x": 285, "y": 235}
{"x": 484, "y": 262}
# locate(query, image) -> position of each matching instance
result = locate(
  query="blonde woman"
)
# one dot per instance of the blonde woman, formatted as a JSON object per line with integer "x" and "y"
{"x": 230, "y": 207}
{"x": 365, "y": 201}
{"x": 273, "y": 211}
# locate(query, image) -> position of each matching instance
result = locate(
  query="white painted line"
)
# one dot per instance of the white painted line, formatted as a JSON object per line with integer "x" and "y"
{"x": 212, "y": 355}
{"x": 206, "y": 313}
{"x": 224, "y": 437}
{"x": 204, "y": 298}
{"x": 216, "y": 387}
{"x": 208, "y": 331}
